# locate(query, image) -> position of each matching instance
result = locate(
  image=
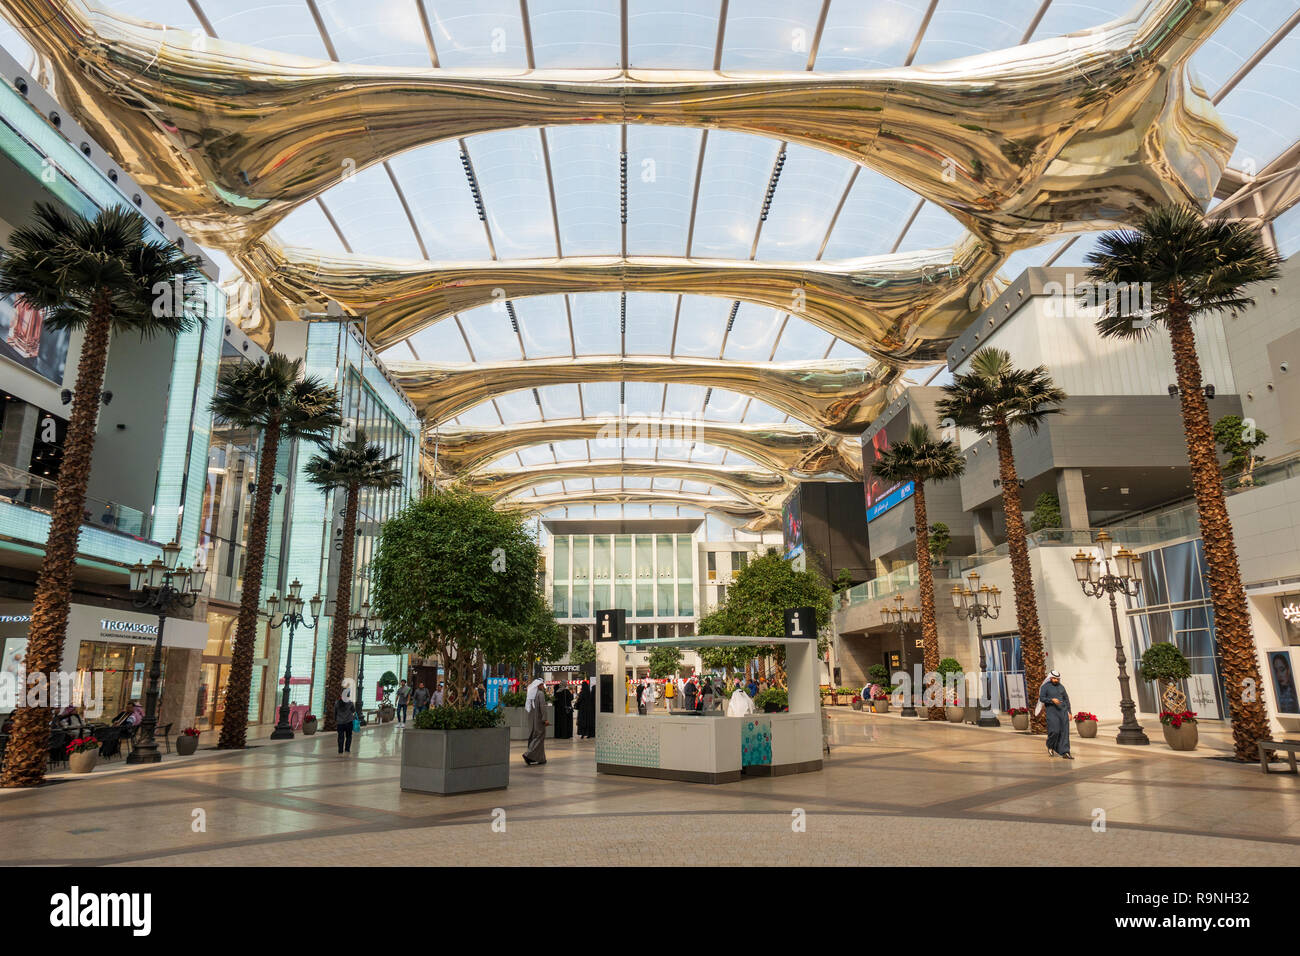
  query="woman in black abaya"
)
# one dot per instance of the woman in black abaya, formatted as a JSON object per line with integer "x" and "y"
{"x": 563, "y": 713}
{"x": 586, "y": 711}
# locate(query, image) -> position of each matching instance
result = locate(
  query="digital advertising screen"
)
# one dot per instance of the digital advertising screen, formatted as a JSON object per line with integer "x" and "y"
{"x": 882, "y": 495}
{"x": 25, "y": 339}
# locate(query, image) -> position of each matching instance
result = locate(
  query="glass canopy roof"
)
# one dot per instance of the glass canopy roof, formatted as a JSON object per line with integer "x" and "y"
{"x": 557, "y": 191}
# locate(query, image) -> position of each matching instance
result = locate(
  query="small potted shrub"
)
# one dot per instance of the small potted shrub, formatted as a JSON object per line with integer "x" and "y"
{"x": 856, "y": 702}
{"x": 83, "y": 754}
{"x": 1164, "y": 663}
{"x": 1019, "y": 717}
{"x": 456, "y": 750}
{"x": 1086, "y": 724}
{"x": 309, "y": 724}
{"x": 772, "y": 701}
{"x": 188, "y": 742}
{"x": 1180, "y": 729}
{"x": 387, "y": 712}
{"x": 880, "y": 689}
{"x": 951, "y": 673}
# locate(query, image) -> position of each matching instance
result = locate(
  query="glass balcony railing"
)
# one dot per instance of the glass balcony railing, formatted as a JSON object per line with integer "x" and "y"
{"x": 35, "y": 491}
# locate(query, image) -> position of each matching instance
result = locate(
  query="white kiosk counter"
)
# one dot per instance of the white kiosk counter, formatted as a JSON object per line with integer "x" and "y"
{"x": 707, "y": 748}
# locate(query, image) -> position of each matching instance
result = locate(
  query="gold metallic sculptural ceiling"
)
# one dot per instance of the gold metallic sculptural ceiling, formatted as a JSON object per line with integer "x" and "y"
{"x": 733, "y": 511}
{"x": 789, "y": 449}
{"x": 1066, "y": 133}
{"x": 901, "y": 307}
{"x": 763, "y": 489}
{"x": 837, "y": 395}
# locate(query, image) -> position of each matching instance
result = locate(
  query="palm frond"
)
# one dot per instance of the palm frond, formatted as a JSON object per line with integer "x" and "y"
{"x": 358, "y": 462}
{"x": 995, "y": 393}
{"x": 920, "y": 457}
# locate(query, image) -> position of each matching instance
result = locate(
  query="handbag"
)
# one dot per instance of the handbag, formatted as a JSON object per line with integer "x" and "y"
{"x": 356, "y": 724}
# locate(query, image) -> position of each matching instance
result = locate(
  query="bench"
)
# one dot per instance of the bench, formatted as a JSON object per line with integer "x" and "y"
{"x": 1269, "y": 746}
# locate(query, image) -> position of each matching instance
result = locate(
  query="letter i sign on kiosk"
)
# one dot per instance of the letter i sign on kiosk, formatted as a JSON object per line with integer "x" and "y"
{"x": 801, "y": 622}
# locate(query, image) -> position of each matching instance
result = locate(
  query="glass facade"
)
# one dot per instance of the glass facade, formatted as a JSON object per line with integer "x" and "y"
{"x": 651, "y": 575}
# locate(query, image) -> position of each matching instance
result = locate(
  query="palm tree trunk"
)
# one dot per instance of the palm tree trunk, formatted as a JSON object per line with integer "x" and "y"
{"x": 1022, "y": 578}
{"x": 234, "y": 728}
{"x": 25, "y": 755}
{"x": 338, "y": 657}
{"x": 925, "y": 574}
{"x": 1231, "y": 615}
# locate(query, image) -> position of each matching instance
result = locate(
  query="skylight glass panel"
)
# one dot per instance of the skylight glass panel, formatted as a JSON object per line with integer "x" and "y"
{"x": 701, "y": 324}
{"x": 583, "y": 486}
{"x": 843, "y": 350}
{"x": 661, "y": 165}
{"x": 559, "y": 401}
{"x": 367, "y": 209}
{"x": 168, "y": 13}
{"x": 1242, "y": 34}
{"x": 754, "y": 333}
{"x": 15, "y": 45}
{"x": 738, "y": 460}
{"x": 673, "y": 451}
{"x": 636, "y": 510}
{"x": 307, "y": 227}
{"x": 285, "y": 26}
{"x": 873, "y": 214}
{"x": 761, "y": 412}
{"x": 439, "y": 342}
{"x": 600, "y": 399}
{"x": 549, "y": 488}
{"x": 672, "y": 34}
{"x": 1071, "y": 16}
{"x": 389, "y": 33}
{"x": 736, "y": 170}
{"x": 585, "y": 168}
{"x": 869, "y": 36}
{"x": 1018, "y": 262}
{"x": 570, "y": 450}
{"x": 967, "y": 27}
{"x": 490, "y": 336}
{"x": 637, "y": 482}
{"x": 544, "y": 325}
{"x": 1079, "y": 250}
{"x": 1286, "y": 230}
{"x": 770, "y": 34}
{"x": 695, "y": 488}
{"x": 604, "y": 449}
{"x": 518, "y": 406}
{"x": 650, "y": 322}
{"x": 595, "y": 322}
{"x": 607, "y": 483}
{"x": 598, "y": 511}
{"x": 801, "y": 342}
{"x": 575, "y": 34}
{"x": 481, "y": 415}
{"x": 1261, "y": 108}
{"x": 683, "y": 400}
{"x": 725, "y": 406}
{"x": 666, "y": 484}
{"x": 533, "y": 456}
{"x": 933, "y": 228}
{"x": 663, "y": 511}
{"x": 644, "y": 398}
{"x": 512, "y": 179}
{"x": 482, "y": 34}
{"x": 811, "y": 184}
{"x": 433, "y": 181}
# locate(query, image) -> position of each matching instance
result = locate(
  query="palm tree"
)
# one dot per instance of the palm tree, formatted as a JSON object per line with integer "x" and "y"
{"x": 1193, "y": 267}
{"x": 991, "y": 399}
{"x": 272, "y": 398}
{"x": 97, "y": 275}
{"x": 352, "y": 466}
{"x": 919, "y": 459}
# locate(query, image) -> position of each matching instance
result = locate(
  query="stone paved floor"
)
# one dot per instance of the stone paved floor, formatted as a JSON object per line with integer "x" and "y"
{"x": 894, "y": 791}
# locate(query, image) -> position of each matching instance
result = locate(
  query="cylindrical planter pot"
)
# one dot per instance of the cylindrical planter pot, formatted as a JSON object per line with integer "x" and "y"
{"x": 956, "y": 714}
{"x": 1086, "y": 728}
{"x": 187, "y": 744}
{"x": 880, "y": 706}
{"x": 386, "y": 714}
{"x": 1181, "y": 738}
{"x": 857, "y": 705}
{"x": 1020, "y": 721}
{"x": 83, "y": 762}
{"x": 309, "y": 727}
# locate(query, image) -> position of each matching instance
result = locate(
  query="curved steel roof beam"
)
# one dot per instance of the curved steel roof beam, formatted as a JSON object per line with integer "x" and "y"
{"x": 1017, "y": 144}
{"x": 735, "y": 512}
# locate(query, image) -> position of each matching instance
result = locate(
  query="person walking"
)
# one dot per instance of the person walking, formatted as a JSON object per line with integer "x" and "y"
{"x": 689, "y": 692}
{"x": 586, "y": 711}
{"x": 421, "y": 698}
{"x": 403, "y": 695}
{"x": 670, "y": 693}
{"x": 535, "y": 715}
{"x": 439, "y": 696}
{"x": 345, "y": 715}
{"x": 1053, "y": 696}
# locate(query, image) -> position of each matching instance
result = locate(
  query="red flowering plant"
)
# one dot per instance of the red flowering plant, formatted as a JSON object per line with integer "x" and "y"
{"x": 190, "y": 732}
{"x": 1176, "y": 718}
{"x": 1017, "y": 711}
{"x": 82, "y": 744}
{"x": 1084, "y": 715}
{"x": 857, "y": 699}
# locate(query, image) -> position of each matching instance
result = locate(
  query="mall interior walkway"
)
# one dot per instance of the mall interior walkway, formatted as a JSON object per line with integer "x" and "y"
{"x": 894, "y": 792}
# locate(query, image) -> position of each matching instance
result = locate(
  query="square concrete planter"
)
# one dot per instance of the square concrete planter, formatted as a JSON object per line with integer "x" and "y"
{"x": 517, "y": 721}
{"x": 456, "y": 761}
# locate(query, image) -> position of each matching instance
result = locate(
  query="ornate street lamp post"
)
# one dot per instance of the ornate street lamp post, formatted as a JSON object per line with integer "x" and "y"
{"x": 901, "y": 617}
{"x": 292, "y": 616}
{"x": 160, "y": 586}
{"x": 975, "y": 603}
{"x": 1096, "y": 579}
{"x": 363, "y": 629}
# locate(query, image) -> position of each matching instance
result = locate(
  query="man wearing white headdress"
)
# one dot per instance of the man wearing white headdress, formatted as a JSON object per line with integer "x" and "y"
{"x": 740, "y": 703}
{"x": 535, "y": 715}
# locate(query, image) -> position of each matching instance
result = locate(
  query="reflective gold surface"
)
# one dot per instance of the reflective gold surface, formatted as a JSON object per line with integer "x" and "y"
{"x": 790, "y": 449}
{"x": 1066, "y": 133}
{"x": 737, "y": 513}
{"x": 908, "y": 306}
{"x": 835, "y": 395}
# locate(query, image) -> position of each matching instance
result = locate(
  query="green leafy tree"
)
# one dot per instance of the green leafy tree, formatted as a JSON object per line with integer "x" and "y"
{"x": 1047, "y": 512}
{"x": 922, "y": 459}
{"x": 352, "y": 467}
{"x": 665, "y": 661}
{"x": 275, "y": 400}
{"x": 98, "y": 276}
{"x": 455, "y": 578}
{"x": 991, "y": 399}
{"x": 843, "y": 581}
{"x": 940, "y": 541}
{"x": 583, "y": 653}
{"x": 1194, "y": 267}
{"x": 536, "y": 639}
{"x": 1239, "y": 438}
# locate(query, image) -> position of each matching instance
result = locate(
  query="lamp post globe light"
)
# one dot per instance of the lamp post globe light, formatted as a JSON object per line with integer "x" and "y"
{"x": 975, "y": 603}
{"x": 1096, "y": 578}
{"x": 363, "y": 629}
{"x": 161, "y": 586}
{"x": 292, "y": 616}
{"x": 901, "y": 617}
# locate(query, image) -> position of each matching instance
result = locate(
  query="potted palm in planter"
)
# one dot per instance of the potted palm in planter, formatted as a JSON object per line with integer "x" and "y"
{"x": 1085, "y": 724}
{"x": 188, "y": 742}
{"x": 309, "y": 724}
{"x": 1019, "y": 717}
{"x": 83, "y": 754}
{"x": 951, "y": 676}
{"x": 1180, "y": 729}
